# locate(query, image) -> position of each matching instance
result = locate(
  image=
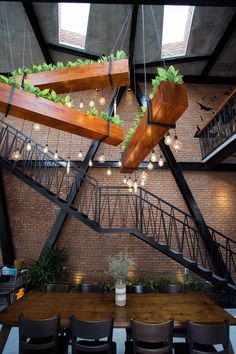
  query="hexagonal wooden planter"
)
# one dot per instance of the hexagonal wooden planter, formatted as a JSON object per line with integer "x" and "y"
{"x": 80, "y": 78}
{"x": 40, "y": 110}
{"x": 168, "y": 104}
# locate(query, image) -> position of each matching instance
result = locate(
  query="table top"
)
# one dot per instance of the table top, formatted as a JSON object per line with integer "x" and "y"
{"x": 153, "y": 307}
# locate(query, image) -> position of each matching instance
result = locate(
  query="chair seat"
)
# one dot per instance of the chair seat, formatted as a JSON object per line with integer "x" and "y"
{"x": 183, "y": 348}
{"x": 94, "y": 344}
{"x": 149, "y": 346}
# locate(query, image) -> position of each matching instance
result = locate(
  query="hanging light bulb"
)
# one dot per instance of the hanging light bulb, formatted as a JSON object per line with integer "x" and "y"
{"x": 102, "y": 101}
{"x": 28, "y": 146}
{"x": 125, "y": 180}
{"x": 150, "y": 165}
{"x": 135, "y": 186}
{"x": 68, "y": 166}
{"x": 80, "y": 154}
{"x": 142, "y": 182}
{"x": 153, "y": 156}
{"x": 90, "y": 163}
{"x": 130, "y": 189}
{"x": 109, "y": 173}
{"x": 119, "y": 163}
{"x": 16, "y": 155}
{"x": 55, "y": 156}
{"x": 81, "y": 105}
{"x": 129, "y": 182}
{"x": 168, "y": 139}
{"x": 101, "y": 158}
{"x": 45, "y": 149}
{"x": 144, "y": 175}
{"x": 129, "y": 96}
{"x": 177, "y": 145}
{"x": 161, "y": 162}
{"x": 69, "y": 104}
{"x": 36, "y": 127}
{"x": 114, "y": 106}
{"x": 91, "y": 103}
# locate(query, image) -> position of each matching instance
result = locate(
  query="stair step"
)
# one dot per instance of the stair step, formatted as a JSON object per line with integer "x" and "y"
{"x": 205, "y": 270}
{"x": 232, "y": 286}
{"x": 189, "y": 260}
{"x": 223, "y": 280}
{"x": 176, "y": 252}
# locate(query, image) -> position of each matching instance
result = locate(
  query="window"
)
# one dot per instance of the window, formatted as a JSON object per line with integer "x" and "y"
{"x": 73, "y": 23}
{"x": 176, "y": 28}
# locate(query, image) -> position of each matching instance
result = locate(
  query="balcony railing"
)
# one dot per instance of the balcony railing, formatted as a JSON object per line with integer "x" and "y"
{"x": 220, "y": 129}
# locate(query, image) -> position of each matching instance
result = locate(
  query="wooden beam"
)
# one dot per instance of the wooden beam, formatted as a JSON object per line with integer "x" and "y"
{"x": 81, "y": 78}
{"x": 36, "y": 109}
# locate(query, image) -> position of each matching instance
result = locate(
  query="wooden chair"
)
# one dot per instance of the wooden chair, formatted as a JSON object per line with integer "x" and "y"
{"x": 203, "y": 338}
{"x": 38, "y": 336}
{"x": 90, "y": 334}
{"x": 154, "y": 338}
{"x": 57, "y": 288}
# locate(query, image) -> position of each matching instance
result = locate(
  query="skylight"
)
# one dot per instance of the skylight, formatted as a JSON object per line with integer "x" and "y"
{"x": 73, "y": 23}
{"x": 176, "y": 28}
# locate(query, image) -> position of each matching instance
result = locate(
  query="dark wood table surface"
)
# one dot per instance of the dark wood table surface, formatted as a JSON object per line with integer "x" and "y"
{"x": 153, "y": 307}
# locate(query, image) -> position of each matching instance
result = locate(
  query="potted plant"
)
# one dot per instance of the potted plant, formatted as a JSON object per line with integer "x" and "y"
{"x": 168, "y": 102}
{"x": 141, "y": 287}
{"x": 48, "y": 269}
{"x": 170, "y": 285}
{"x": 119, "y": 265}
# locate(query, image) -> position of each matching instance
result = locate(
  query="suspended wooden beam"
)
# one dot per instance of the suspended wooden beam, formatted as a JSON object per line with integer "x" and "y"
{"x": 80, "y": 78}
{"x": 40, "y": 110}
{"x": 168, "y": 104}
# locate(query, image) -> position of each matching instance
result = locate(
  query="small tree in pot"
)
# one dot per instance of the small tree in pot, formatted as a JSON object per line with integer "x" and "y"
{"x": 119, "y": 266}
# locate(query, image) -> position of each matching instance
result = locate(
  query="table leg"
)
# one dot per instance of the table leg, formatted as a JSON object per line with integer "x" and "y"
{"x": 3, "y": 336}
{"x": 231, "y": 350}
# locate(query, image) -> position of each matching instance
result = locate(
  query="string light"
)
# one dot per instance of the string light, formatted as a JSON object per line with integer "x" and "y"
{"x": 81, "y": 105}
{"x": 90, "y": 163}
{"x": 135, "y": 186}
{"x": 16, "y": 155}
{"x": 119, "y": 163}
{"x": 150, "y": 166}
{"x": 125, "y": 180}
{"x": 109, "y": 173}
{"x": 161, "y": 161}
{"x": 91, "y": 104}
{"x": 101, "y": 158}
{"x": 177, "y": 145}
{"x": 45, "y": 149}
{"x": 114, "y": 106}
{"x": 28, "y": 146}
{"x": 69, "y": 104}
{"x": 36, "y": 126}
{"x": 168, "y": 139}
{"x": 144, "y": 175}
{"x": 102, "y": 101}
{"x": 129, "y": 182}
{"x": 80, "y": 154}
{"x": 68, "y": 166}
{"x": 153, "y": 156}
{"x": 130, "y": 189}
{"x": 142, "y": 182}
{"x": 55, "y": 156}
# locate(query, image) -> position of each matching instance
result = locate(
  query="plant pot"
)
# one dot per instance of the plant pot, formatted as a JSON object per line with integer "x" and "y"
{"x": 40, "y": 110}
{"x": 90, "y": 288}
{"x": 168, "y": 104}
{"x": 138, "y": 289}
{"x": 120, "y": 294}
{"x": 80, "y": 78}
{"x": 171, "y": 288}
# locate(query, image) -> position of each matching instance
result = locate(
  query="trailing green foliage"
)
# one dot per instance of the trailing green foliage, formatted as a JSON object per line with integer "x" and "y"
{"x": 48, "y": 269}
{"x": 52, "y": 96}
{"x": 60, "y": 65}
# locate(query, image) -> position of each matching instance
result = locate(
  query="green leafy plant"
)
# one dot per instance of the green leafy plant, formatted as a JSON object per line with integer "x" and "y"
{"x": 193, "y": 284}
{"x": 119, "y": 266}
{"x": 49, "y": 268}
{"x": 151, "y": 284}
{"x": 93, "y": 112}
{"x": 169, "y": 281}
{"x": 171, "y": 75}
{"x": 107, "y": 286}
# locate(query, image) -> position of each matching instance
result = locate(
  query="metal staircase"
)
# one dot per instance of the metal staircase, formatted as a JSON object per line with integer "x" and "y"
{"x": 109, "y": 209}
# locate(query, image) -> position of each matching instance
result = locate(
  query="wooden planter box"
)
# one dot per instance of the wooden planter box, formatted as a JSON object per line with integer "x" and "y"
{"x": 40, "y": 110}
{"x": 168, "y": 104}
{"x": 80, "y": 78}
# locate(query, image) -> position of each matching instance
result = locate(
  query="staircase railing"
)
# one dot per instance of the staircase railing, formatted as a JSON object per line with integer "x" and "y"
{"x": 115, "y": 209}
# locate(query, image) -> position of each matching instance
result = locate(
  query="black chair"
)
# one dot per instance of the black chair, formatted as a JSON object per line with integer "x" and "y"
{"x": 154, "y": 338}
{"x": 86, "y": 336}
{"x": 57, "y": 288}
{"x": 202, "y": 338}
{"x": 38, "y": 336}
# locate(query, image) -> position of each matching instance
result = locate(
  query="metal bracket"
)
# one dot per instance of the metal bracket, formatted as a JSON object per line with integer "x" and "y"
{"x": 149, "y": 115}
{"x": 109, "y": 73}
{"x": 10, "y": 100}
{"x": 22, "y": 80}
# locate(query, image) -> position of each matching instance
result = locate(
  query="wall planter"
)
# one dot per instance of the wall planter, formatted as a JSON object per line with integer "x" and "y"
{"x": 171, "y": 288}
{"x": 138, "y": 289}
{"x": 81, "y": 78}
{"x": 40, "y": 110}
{"x": 167, "y": 105}
{"x": 90, "y": 287}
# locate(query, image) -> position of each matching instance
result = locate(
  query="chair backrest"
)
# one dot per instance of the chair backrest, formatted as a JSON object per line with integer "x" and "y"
{"x": 57, "y": 288}
{"x": 89, "y": 330}
{"x": 38, "y": 334}
{"x": 201, "y": 337}
{"x": 157, "y": 337}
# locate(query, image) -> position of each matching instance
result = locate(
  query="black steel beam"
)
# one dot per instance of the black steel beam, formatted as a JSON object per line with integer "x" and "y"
{"x": 189, "y": 199}
{"x": 133, "y": 33}
{"x": 62, "y": 216}
{"x": 212, "y": 3}
{"x": 184, "y": 166}
{"x": 173, "y": 61}
{"x": 71, "y": 51}
{"x": 37, "y": 30}
{"x": 196, "y": 79}
{"x": 220, "y": 46}
{"x": 221, "y": 155}
{"x": 5, "y": 231}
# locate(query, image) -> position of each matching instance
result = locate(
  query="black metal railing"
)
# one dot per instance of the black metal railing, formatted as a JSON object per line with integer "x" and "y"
{"x": 221, "y": 127}
{"x": 115, "y": 209}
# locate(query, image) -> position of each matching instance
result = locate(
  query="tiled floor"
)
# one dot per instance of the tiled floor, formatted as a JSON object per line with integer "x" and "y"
{"x": 119, "y": 337}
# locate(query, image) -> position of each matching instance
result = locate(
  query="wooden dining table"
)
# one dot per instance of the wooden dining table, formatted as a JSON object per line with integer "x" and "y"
{"x": 152, "y": 307}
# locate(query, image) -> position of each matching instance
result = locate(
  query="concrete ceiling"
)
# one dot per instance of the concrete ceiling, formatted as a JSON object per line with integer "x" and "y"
{"x": 109, "y": 28}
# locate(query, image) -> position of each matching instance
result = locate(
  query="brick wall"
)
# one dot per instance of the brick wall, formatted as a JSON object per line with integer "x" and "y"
{"x": 32, "y": 216}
